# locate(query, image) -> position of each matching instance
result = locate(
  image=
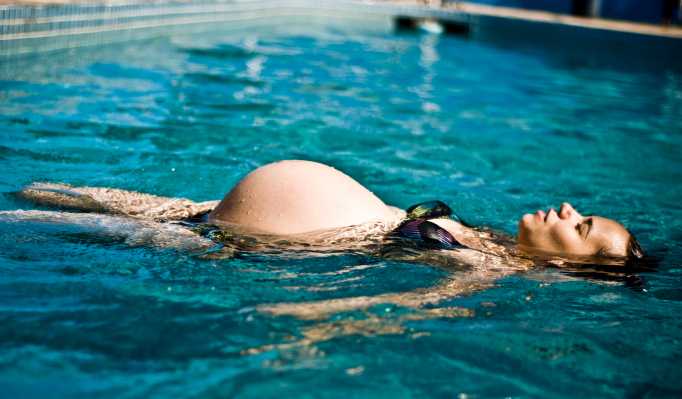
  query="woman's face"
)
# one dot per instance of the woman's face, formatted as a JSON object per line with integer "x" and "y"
{"x": 567, "y": 232}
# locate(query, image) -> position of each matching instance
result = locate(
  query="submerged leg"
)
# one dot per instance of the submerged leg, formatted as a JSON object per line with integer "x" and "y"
{"x": 114, "y": 201}
{"x": 134, "y": 232}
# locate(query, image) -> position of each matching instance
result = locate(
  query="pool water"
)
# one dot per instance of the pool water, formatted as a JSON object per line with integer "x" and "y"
{"x": 493, "y": 130}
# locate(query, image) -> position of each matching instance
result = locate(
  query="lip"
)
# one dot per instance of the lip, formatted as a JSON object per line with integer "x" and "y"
{"x": 541, "y": 214}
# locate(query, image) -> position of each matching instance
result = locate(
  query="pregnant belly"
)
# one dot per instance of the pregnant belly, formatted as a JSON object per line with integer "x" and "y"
{"x": 292, "y": 197}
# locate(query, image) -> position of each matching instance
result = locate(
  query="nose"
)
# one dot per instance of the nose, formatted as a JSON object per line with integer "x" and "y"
{"x": 566, "y": 211}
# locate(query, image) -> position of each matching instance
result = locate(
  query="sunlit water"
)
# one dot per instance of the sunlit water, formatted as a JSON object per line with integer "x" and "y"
{"x": 493, "y": 131}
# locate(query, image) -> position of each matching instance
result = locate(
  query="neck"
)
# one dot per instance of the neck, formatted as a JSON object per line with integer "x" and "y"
{"x": 481, "y": 240}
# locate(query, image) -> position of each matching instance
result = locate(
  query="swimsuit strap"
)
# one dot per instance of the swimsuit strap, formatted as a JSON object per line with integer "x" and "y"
{"x": 418, "y": 227}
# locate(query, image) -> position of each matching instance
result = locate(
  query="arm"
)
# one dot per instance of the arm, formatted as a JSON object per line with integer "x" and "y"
{"x": 134, "y": 232}
{"x": 114, "y": 201}
{"x": 370, "y": 326}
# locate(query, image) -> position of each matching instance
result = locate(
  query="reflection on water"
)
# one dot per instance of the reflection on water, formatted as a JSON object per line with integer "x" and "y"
{"x": 369, "y": 326}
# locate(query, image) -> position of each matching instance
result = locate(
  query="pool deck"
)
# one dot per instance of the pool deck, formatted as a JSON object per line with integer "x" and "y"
{"x": 562, "y": 19}
{"x": 455, "y": 8}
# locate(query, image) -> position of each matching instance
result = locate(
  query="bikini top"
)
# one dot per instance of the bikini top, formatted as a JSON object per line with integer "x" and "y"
{"x": 417, "y": 226}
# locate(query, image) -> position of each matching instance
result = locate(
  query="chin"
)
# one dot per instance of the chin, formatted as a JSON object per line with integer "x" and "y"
{"x": 525, "y": 222}
{"x": 526, "y": 232}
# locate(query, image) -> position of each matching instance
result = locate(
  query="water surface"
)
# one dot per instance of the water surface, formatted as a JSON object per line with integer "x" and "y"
{"x": 494, "y": 131}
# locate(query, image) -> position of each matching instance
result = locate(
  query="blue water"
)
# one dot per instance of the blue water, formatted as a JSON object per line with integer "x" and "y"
{"x": 493, "y": 131}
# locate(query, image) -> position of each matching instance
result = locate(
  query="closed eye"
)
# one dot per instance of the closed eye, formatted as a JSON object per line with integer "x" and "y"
{"x": 584, "y": 228}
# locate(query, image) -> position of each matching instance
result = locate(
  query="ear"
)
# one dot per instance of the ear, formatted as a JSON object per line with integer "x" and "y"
{"x": 605, "y": 253}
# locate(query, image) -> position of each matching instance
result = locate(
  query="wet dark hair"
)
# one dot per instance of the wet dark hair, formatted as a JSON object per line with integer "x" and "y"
{"x": 637, "y": 262}
{"x": 637, "y": 259}
{"x": 634, "y": 249}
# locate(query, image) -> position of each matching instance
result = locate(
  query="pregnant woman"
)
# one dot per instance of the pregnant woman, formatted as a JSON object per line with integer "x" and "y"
{"x": 302, "y": 198}
{"x": 294, "y": 197}
{"x": 292, "y": 205}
